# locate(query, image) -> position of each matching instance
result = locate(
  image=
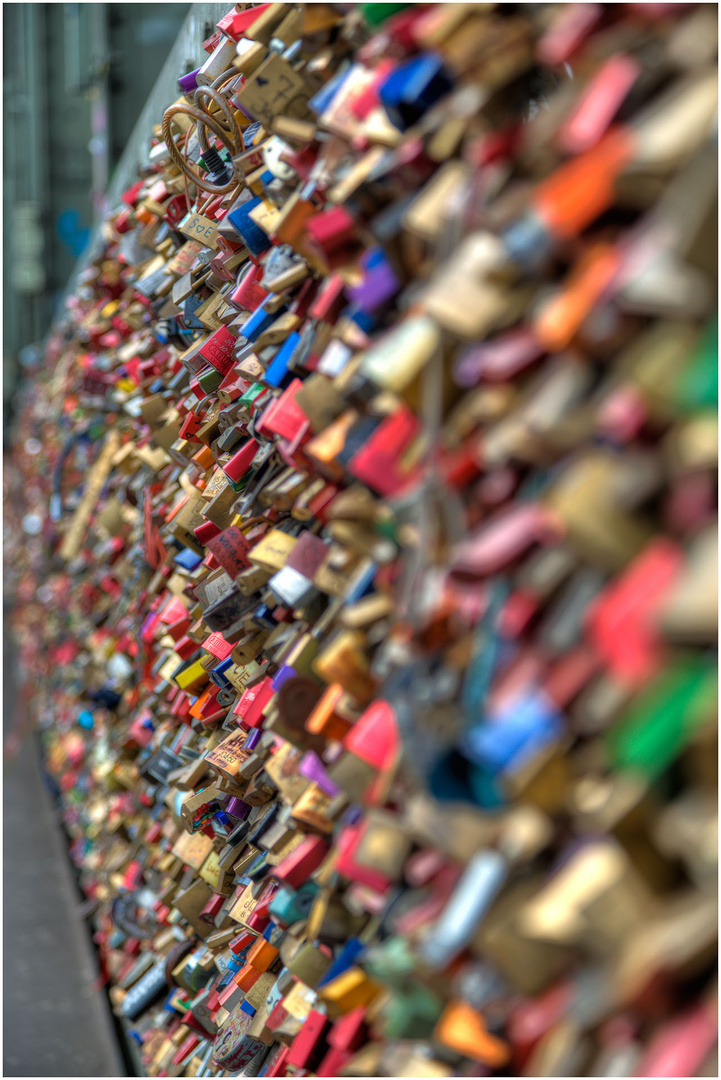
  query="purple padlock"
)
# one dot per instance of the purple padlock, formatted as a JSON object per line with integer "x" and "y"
{"x": 252, "y": 739}
{"x": 378, "y": 285}
{"x": 352, "y": 815}
{"x": 312, "y": 768}
{"x": 237, "y": 808}
{"x": 497, "y": 360}
{"x": 285, "y": 673}
{"x": 189, "y": 82}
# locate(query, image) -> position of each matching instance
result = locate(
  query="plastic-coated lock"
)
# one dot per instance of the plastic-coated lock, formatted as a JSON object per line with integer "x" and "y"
{"x": 283, "y": 417}
{"x": 240, "y": 462}
{"x": 329, "y": 300}
{"x": 331, "y": 229}
{"x": 333, "y": 1062}
{"x": 188, "y": 83}
{"x": 376, "y": 463}
{"x": 512, "y": 736}
{"x": 258, "y": 321}
{"x": 379, "y": 283}
{"x": 251, "y": 234}
{"x": 207, "y": 531}
{"x": 278, "y": 1065}
{"x": 345, "y": 864}
{"x": 252, "y": 703}
{"x": 261, "y": 955}
{"x": 463, "y": 1030}
{"x": 374, "y": 737}
{"x": 237, "y": 808}
{"x": 348, "y": 991}
{"x": 235, "y": 23}
{"x": 297, "y": 867}
{"x": 351, "y": 951}
{"x": 279, "y": 366}
{"x": 248, "y": 294}
{"x": 412, "y": 88}
{"x": 309, "y": 1045}
{"x": 185, "y": 648}
{"x": 290, "y": 906}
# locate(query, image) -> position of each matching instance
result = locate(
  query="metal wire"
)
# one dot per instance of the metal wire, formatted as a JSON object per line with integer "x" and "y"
{"x": 231, "y": 139}
{"x": 224, "y": 106}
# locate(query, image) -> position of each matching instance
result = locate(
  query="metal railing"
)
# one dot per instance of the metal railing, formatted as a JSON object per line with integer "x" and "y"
{"x": 185, "y": 55}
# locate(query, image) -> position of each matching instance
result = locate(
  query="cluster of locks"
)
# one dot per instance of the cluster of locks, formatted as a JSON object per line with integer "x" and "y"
{"x": 396, "y": 566}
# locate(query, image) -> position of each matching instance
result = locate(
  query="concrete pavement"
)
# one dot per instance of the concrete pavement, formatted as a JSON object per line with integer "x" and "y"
{"x": 54, "y": 1023}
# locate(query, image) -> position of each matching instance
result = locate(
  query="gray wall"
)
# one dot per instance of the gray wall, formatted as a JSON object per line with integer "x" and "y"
{"x": 76, "y": 78}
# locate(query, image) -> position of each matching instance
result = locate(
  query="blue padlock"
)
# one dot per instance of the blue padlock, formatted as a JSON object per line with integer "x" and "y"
{"x": 412, "y": 88}
{"x": 362, "y": 319}
{"x": 278, "y": 367}
{"x": 86, "y": 720}
{"x": 217, "y": 674}
{"x": 258, "y": 321}
{"x": 254, "y": 238}
{"x": 362, "y": 585}
{"x": 515, "y": 735}
{"x": 345, "y": 959}
{"x": 453, "y": 778}
{"x": 188, "y": 559}
{"x": 320, "y": 101}
{"x": 190, "y": 306}
{"x": 262, "y": 616}
{"x": 249, "y": 134}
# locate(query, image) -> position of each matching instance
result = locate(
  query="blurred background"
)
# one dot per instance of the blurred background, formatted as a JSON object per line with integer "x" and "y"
{"x": 76, "y": 77}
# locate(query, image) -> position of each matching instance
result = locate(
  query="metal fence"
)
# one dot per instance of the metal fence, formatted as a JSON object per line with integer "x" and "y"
{"x": 183, "y": 57}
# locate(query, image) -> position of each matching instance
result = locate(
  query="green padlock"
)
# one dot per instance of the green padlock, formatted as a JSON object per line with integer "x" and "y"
{"x": 290, "y": 906}
{"x": 698, "y": 383}
{"x": 249, "y": 396}
{"x": 376, "y": 14}
{"x": 210, "y": 380}
{"x": 392, "y": 962}
{"x": 411, "y": 1014}
{"x": 664, "y": 718}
